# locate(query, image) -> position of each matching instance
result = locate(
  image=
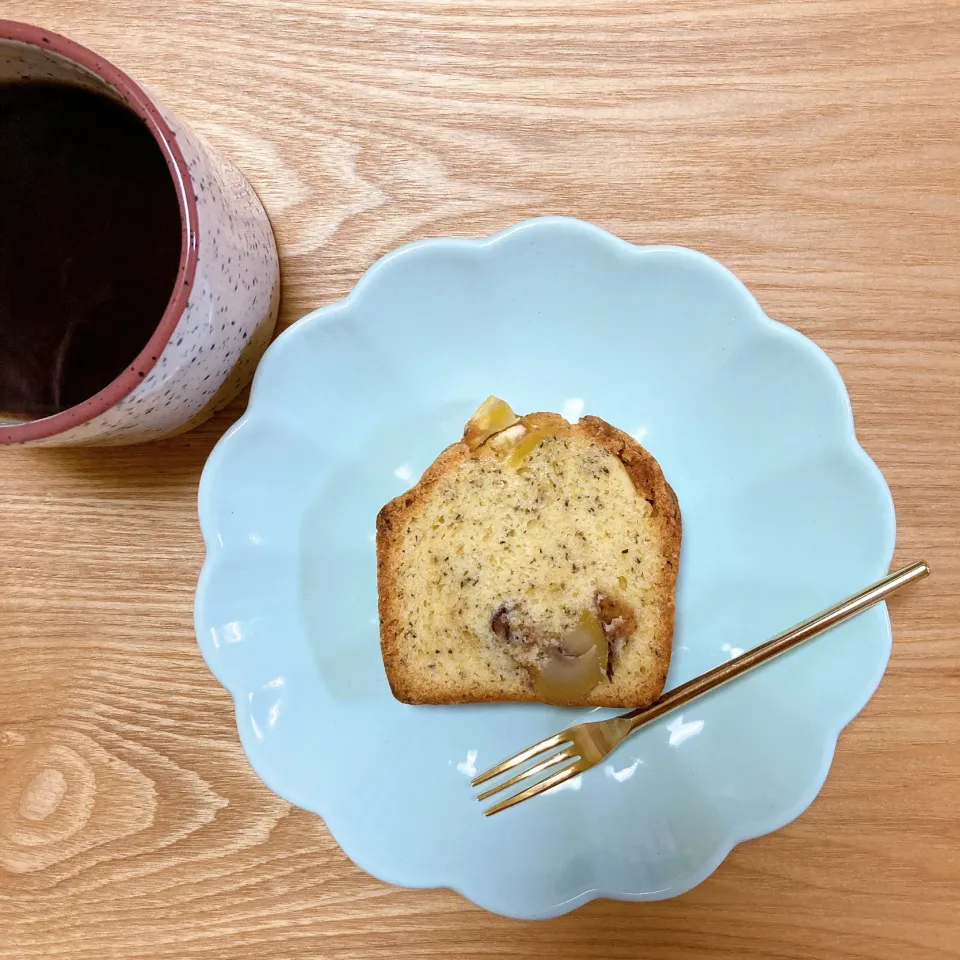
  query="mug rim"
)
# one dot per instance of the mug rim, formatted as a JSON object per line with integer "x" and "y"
{"x": 143, "y": 106}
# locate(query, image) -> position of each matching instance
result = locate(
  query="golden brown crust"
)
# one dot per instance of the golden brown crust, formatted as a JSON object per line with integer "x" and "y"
{"x": 649, "y": 482}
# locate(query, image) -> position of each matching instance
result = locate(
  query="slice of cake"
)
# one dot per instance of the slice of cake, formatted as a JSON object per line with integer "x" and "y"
{"x": 535, "y": 560}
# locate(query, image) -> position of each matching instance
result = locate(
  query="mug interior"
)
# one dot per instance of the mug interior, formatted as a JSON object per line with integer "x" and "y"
{"x": 34, "y": 55}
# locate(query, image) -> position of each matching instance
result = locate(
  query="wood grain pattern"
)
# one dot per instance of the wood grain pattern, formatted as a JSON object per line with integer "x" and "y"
{"x": 811, "y": 146}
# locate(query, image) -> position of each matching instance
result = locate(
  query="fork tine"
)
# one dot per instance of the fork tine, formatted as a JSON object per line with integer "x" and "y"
{"x": 537, "y": 768}
{"x": 521, "y": 757}
{"x": 561, "y": 776}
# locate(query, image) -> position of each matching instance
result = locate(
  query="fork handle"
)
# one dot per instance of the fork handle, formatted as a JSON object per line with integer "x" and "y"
{"x": 787, "y": 640}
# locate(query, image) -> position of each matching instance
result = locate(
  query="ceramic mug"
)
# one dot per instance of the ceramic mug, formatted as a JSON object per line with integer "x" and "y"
{"x": 223, "y": 309}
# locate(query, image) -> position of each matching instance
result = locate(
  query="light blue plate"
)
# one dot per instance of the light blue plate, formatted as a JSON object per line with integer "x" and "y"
{"x": 783, "y": 514}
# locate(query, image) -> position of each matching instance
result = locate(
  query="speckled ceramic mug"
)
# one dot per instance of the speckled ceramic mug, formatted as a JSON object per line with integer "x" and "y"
{"x": 223, "y": 308}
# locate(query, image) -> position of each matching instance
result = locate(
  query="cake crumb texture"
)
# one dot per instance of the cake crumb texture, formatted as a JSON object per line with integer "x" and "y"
{"x": 496, "y": 552}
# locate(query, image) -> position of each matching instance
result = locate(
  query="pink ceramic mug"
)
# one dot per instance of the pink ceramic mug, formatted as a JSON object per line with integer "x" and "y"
{"x": 223, "y": 309}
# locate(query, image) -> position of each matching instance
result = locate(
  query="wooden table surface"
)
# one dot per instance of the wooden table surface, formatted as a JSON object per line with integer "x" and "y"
{"x": 811, "y": 146}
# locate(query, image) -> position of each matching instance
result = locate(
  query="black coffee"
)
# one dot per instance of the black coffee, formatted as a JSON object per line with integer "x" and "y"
{"x": 89, "y": 244}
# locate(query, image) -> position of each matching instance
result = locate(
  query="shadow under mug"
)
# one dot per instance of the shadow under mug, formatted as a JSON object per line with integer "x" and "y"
{"x": 223, "y": 308}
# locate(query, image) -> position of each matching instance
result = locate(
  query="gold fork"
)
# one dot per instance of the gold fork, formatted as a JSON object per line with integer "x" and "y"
{"x": 589, "y": 743}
